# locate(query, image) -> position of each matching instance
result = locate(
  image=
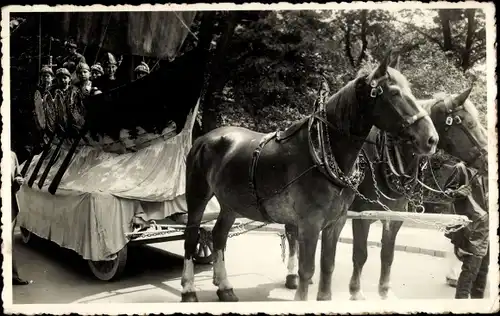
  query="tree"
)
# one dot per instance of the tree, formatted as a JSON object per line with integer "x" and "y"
{"x": 461, "y": 34}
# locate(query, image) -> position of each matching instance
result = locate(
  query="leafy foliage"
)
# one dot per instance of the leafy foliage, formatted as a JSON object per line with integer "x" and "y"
{"x": 274, "y": 64}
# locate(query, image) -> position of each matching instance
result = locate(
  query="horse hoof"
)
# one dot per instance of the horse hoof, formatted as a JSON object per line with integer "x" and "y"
{"x": 388, "y": 295}
{"x": 292, "y": 281}
{"x": 324, "y": 297}
{"x": 451, "y": 282}
{"x": 358, "y": 296}
{"x": 227, "y": 295}
{"x": 189, "y": 297}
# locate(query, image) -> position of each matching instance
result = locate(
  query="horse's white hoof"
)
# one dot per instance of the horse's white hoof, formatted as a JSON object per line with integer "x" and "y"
{"x": 389, "y": 295}
{"x": 358, "y": 296}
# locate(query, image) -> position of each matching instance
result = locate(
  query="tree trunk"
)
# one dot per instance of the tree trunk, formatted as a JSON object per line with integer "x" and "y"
{"x": 217, "y": 80}
{"x": 444, "y": 17}
{"x": 348, "y": 45}
{"x": 364, "y": 40}
{"x": 471, "y": 26}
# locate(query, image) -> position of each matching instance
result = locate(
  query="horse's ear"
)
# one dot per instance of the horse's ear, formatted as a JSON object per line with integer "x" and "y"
{"x": 382, "y": 68}
{"x": 460, "y": 99}
{"x": 395, "y": 62}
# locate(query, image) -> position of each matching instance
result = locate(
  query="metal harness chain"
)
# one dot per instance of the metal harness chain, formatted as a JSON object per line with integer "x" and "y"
{"x": 442, "y": 228}
{"x": 357, "y": 176}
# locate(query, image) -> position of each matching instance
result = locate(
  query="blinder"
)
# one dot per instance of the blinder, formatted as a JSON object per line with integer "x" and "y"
{"x": 451, "y": 120}
{"x": 376, "y": 89}
{"x": 406, "y": 120}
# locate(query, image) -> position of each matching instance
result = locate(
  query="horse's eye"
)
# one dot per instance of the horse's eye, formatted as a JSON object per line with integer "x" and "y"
{"x": 395, "y": 92}
{"x": 457, "y": 120}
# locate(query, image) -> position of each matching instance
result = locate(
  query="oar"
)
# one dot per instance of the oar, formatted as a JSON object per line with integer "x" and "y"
{"x": 51, "y": 162}
{"x": 28, "y": 163}
{"x": 65, "y": 164}
{"x": 44, "y": 155}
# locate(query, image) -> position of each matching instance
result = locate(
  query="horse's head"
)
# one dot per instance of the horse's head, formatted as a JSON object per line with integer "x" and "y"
{"x": 461, "y": 134}
{"x": 396, "y": 110}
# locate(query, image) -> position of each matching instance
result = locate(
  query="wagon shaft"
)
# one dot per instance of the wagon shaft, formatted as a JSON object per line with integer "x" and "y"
{"x": 438, "y": 219}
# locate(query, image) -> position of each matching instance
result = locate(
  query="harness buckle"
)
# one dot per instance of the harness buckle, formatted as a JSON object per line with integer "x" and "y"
{"x": 373, "y": 93}
{"x": 449, "y": 121}
{"x": 458, "y": 120}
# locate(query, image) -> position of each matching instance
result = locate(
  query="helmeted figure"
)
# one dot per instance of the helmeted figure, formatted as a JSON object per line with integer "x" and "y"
{"x": 64, "y": 95}
{"x": 96, "y": 71}
{"x": 141, "y": 70}
{"x": 75, "y": 108}
{"x": 85, "y": 84}
{"x": 73, "y": 58}
{"x": 109, "y": 80}
{"x": 45, "y": 80}
{"x": 472, "y": 242}
{"x": 42, "y": 98}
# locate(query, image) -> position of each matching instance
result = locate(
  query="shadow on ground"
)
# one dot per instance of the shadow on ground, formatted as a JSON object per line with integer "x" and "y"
{"x": 64, "y": 271}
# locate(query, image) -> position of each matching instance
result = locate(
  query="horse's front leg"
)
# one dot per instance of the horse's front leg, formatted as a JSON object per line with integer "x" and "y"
{"x": 219, "y": 234}
{"x": 292, "y": 277}
{"x": 308, "y": 240}
{"x": 389, "y": 234}
{"x": 360, "y": 231}
{"x": 329, "y": 239}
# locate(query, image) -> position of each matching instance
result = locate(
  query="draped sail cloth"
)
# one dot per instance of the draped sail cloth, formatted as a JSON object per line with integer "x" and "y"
{"x": 157, "y": 34}
{"x": 101, "y": 192}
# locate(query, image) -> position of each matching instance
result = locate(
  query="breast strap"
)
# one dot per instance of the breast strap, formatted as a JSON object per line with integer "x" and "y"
{"x": 253, "y": 166}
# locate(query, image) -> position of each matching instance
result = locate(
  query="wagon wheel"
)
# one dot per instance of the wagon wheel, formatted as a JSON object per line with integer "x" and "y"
{"x": 109, "y": 269}
{"x": 204, "y": 248}
{"x": 25, "y": 235}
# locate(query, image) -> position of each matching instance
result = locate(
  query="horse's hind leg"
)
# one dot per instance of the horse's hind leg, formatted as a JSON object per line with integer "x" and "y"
{"x": 292, "y": 277}
{"x": 219, "y": 233}
{"x": 389, "y": 234}
{"x": 329, "y": 239}
{"x": 360, "y": 230}
{"x": 198, "y": 194}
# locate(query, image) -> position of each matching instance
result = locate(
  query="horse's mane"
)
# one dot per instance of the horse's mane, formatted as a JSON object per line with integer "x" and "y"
{"x": 427, "y": 104}
{"x": 343, "y": 108}
{"x": 348, "y": 108}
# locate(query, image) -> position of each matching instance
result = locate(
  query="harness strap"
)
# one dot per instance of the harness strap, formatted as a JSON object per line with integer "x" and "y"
{"x": 407, "y": 121}
{"x": 253, "y": 167}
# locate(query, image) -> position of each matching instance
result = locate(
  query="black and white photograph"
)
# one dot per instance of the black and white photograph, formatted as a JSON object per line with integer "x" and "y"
{"x": 244, "y": 158}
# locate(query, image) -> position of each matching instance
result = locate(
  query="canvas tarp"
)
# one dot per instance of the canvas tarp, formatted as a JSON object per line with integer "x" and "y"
{"x": 101, "y": 192}
{"x": 158, "y": 34}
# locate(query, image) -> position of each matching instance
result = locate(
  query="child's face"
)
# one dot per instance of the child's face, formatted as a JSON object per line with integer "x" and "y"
{"x": 65, "y": 81}
{"x": 83, "y": 74}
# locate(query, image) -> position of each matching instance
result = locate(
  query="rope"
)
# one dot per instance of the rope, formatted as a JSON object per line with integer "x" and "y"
{"x": 104, "y": 36}
{"x": 156, "y": 64}
{"x": 184, "y": 24}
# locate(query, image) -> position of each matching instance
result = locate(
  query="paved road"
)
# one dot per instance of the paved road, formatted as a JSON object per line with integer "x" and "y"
{"x": 253, "y": 263}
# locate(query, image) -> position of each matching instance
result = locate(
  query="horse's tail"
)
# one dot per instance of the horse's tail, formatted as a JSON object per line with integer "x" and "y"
{"x": 198, "y": 193}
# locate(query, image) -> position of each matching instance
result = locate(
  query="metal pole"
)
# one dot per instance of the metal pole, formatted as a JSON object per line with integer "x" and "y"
{"x": 39, "y": 43}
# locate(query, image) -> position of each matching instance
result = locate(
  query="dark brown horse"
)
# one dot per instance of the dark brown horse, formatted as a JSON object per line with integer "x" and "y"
{"x": 461, "y": 135}
{"x": 282, "y": 178}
